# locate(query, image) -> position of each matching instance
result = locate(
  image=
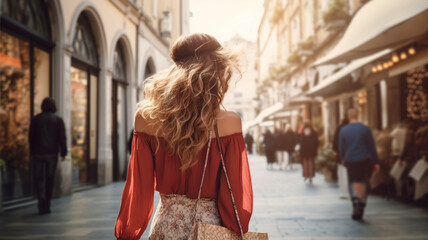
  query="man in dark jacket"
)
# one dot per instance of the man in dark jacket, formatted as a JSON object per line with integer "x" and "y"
{"x": 46, "y": 138}
{"x": 358, "y": 150}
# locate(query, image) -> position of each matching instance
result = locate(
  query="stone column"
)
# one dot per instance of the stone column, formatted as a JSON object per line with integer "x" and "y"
{"x": 105, "y": 153}
{"x": 63, "y": 178}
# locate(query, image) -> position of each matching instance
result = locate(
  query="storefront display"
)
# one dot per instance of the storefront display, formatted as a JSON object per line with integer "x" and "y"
{"x": 25, "y": 47}
{"x": 15, "y": 115}
{"x": 410, "y": 137}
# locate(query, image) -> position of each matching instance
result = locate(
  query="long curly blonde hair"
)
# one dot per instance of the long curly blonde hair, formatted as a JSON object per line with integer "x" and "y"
{"x": 183, "y": 100}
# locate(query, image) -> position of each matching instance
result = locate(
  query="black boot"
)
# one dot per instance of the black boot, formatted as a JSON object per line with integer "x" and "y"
{"x": 354, "y": 213}
{"x": 48, "y": 206}
{"x": 42, "y": 206}
{"x": 355, "y": 204}
{"x": 359, "y": 213}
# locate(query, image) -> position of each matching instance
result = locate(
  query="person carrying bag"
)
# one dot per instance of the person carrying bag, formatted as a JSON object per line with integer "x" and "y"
{"x": 171, "y": 147}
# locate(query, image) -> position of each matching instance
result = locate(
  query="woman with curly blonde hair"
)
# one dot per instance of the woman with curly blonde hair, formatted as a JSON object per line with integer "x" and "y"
{"x": 172, "y": 151}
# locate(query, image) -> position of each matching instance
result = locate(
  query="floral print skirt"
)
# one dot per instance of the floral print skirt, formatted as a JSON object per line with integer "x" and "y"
{"x": 177, "y": 215}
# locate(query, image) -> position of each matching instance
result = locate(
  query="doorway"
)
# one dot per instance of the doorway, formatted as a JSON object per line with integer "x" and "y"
{"x": 119, "y": 132}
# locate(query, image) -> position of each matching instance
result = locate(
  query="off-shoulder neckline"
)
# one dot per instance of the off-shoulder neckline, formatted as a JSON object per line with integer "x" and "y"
{"x": 221, "y": 137}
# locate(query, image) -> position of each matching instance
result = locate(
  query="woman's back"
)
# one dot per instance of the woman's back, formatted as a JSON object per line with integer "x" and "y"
{"x": 153, "y": 167}
{"x": 173, "y": 132}
{"x": 170, "y": 179}
{"x": 228, "y": 123}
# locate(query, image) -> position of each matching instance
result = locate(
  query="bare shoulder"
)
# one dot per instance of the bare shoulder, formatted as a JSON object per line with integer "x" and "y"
{"x": 228, "y": 123}
{"x": 142, "y": 124}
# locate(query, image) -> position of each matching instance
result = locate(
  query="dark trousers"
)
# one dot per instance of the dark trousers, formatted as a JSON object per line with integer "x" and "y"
{"x": 359, "y": 174}
{"x": 308, "y": 164}
{"x": 250, "y": 148}
{"x": 44, "y": 175}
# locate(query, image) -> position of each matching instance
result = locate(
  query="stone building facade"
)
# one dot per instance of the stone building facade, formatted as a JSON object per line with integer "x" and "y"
{"x": 92, "y": 57}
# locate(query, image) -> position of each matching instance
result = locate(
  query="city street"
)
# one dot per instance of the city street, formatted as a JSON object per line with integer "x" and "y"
{"x": 284, "y": 206}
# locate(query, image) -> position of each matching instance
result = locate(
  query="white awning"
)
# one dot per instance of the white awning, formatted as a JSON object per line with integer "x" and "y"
{"x": 380, "y": 24}
{"x": 326, "y": 70}
{"x": 332, "y": 81}
{"x": 267, "y": 124}
{"x": 299, "y": 100}
{"x": 268, "y": 112}
{"x": 286, "y": 114}
{"x": 248, "y": 124}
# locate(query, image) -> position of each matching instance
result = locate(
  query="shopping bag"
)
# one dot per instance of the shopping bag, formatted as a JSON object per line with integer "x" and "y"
{"x": 342, "y": 175}
{"x": 206, "y": 231}
{"x": 419, "y": 169}
{"x": 398, "y": 169}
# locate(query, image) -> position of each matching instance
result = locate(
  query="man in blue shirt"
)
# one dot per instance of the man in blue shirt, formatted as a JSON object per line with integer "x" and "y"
{"x": 357, "y": 149}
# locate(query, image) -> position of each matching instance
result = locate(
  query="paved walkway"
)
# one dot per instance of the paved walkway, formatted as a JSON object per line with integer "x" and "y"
{"x": 284, "y": 206}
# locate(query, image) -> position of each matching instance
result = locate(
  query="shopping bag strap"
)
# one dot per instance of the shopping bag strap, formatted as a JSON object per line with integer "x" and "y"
{"x": 205, "y": 165}
{"x": 227, "y": 180}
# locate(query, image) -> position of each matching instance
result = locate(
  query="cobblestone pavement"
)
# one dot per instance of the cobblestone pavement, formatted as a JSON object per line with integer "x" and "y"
{"x": 284, "y": 206}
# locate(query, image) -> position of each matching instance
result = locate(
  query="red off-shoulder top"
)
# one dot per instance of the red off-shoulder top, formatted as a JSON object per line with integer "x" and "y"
{"x": 149, "y": 170}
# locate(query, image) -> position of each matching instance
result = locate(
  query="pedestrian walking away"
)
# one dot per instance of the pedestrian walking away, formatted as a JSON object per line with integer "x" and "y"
{"x": 358, "y": 150}
{"x": 281, "y": 149}
{"x": 269, "y": 142}
{"x": 277, "y": 148}
{"x": 174, "y": 154}
{"x": 249, "y": 140}
{"x": 308, "y": 150}
{"x": 290, "y": 141}
{"x": 46, "y": 138}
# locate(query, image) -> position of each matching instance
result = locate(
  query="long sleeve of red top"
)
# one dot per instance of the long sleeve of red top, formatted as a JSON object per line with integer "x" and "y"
{"x": 137, "y": 198}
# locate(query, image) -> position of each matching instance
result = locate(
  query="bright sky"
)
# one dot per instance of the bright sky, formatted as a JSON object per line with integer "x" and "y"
{"x": 225, "y": 18}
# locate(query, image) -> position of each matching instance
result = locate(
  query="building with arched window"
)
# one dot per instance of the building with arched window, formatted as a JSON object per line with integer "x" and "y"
{"x": 92, "y": 57}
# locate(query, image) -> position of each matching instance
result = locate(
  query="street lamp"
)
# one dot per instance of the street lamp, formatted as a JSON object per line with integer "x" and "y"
{"x": 166, "y": 24}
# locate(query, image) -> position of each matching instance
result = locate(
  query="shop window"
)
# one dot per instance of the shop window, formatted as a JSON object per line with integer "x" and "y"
{"x": 360, "y": 102}
{"x": 374, "y": 107}
{"x": 149, "y": 70}
{"x": 79, "y": 109}
{"x": 416, "y": 85}
{"x": 84, "y": 44}
{"x": 84, "y": 104}
{"x": 41, "y": 78}
{"x": 15, "y": 114}
{"x": 25, "y": 52}
{"x": 18, "y": 100}
{"x": 30, "y": 13}
{"x": 119, "y": 63}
